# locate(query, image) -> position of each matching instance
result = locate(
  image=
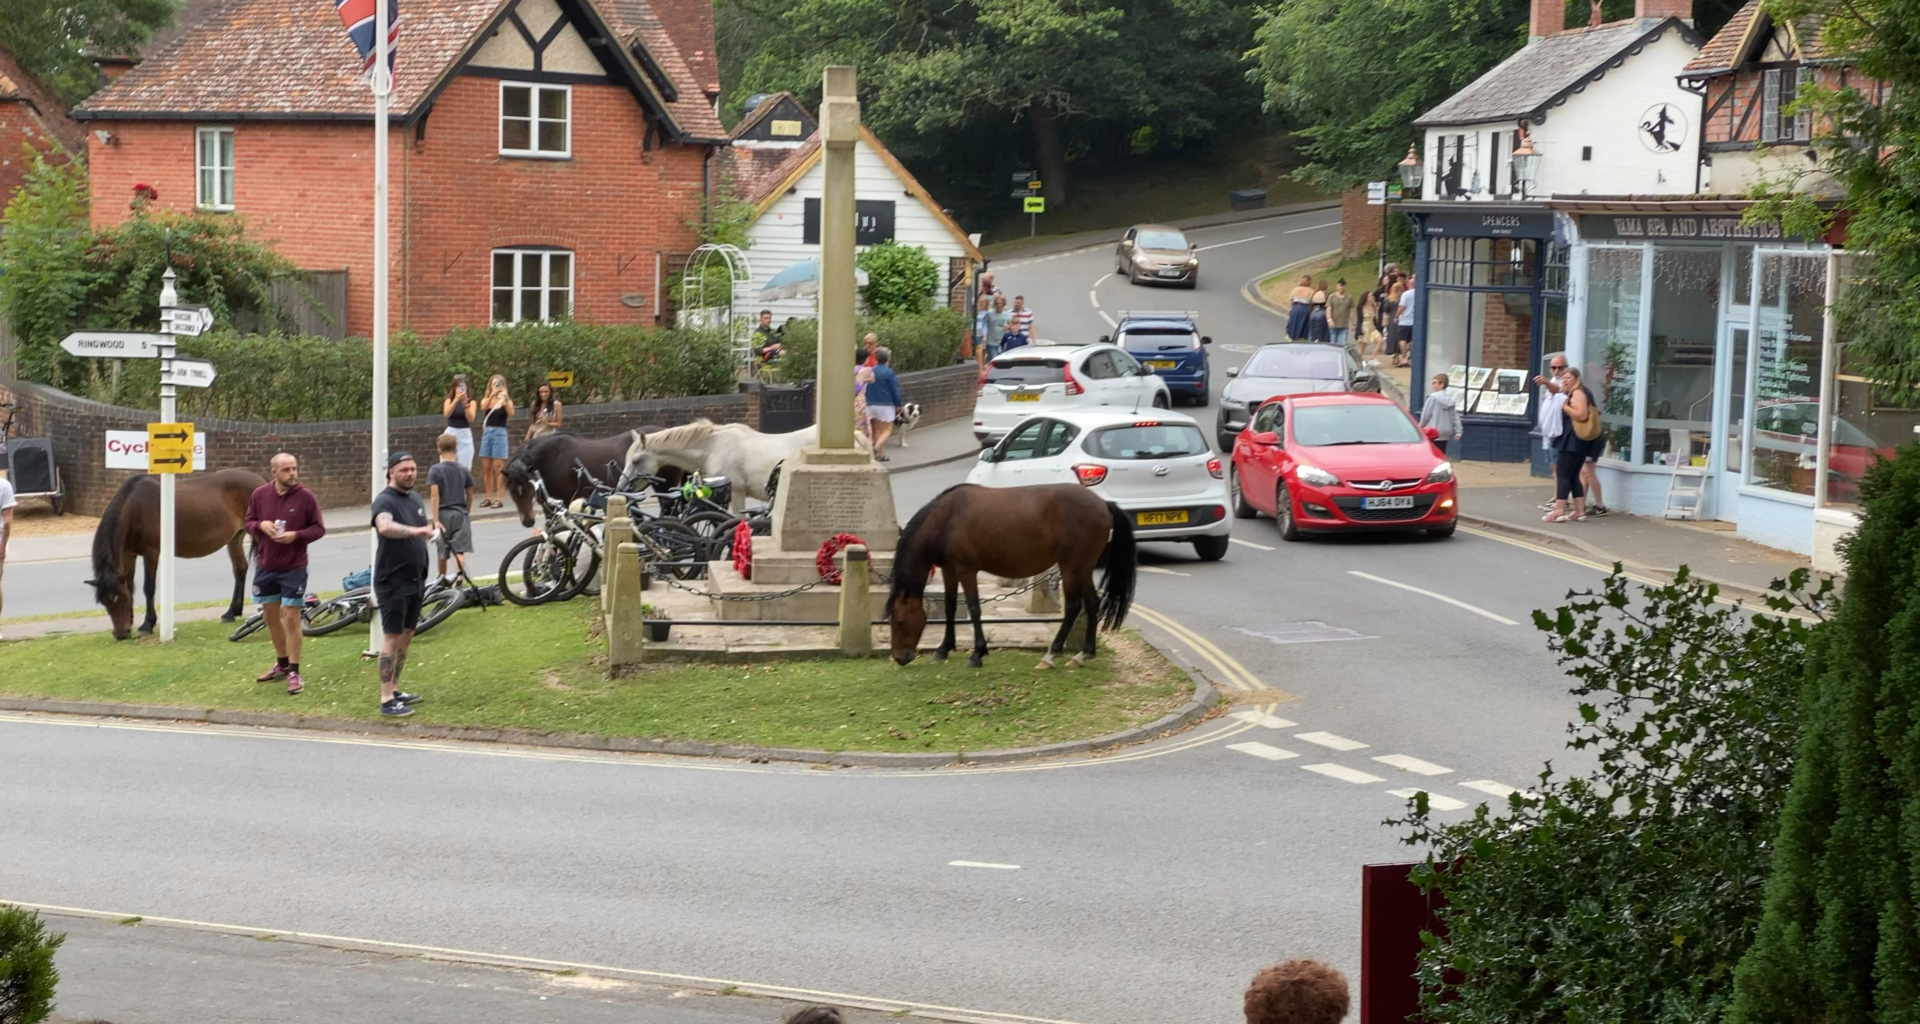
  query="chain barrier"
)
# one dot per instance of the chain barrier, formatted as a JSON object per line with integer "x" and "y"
{"x": 1050, "y": 578}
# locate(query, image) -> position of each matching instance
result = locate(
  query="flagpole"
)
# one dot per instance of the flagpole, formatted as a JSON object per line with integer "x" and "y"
{"x": 382, "y": 96}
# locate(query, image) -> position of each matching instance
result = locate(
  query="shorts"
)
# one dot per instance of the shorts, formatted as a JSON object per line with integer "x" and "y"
{"x": 399, "y": 607}
{"x": 288, "y": 586}
{"x": 883, "y": 413}
{"x": 1403, "y": 336}
{"x": 456, "y": 532}
{"x": 493, "y": 443}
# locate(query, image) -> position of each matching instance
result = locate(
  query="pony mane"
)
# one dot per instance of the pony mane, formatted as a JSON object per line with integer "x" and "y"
{"x": 106, "y": 542}
{"x": 680, "y": 436}
{"x": 910, "y": 572}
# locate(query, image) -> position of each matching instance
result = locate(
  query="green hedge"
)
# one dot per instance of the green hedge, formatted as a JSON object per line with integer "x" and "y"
{"x": 919, "y": 341}
{"x": 275, "y": 378}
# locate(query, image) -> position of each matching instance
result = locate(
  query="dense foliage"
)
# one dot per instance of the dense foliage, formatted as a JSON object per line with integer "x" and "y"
{"x": 919, "y": 341}
{"x": 51, "y": 38}
{"x": 900, "y": 278}
{"x": 280, "y": 379}
{"x": 1841, "y": 938}
{"x": 1627, "y": 892}
{"x": 61, "y": 275}
{"x": 27, "y": 973}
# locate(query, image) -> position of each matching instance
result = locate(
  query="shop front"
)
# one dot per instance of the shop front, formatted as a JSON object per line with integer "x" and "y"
{"x": 1491, "y": 286}
{"x": 1708, "y": 342}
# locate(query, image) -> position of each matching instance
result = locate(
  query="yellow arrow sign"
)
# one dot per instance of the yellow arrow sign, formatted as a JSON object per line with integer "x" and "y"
{"x": 560, "y": 379}
{"x": 1035, "y": 204}
{"x": 169, "y": 447}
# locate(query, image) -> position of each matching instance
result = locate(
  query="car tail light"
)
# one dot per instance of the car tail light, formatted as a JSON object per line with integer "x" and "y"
{"x": 1214, "y": 467}
{"x": 981, "y": 386}
{"x": 1090, "y": 473}
{"x": 1074, "y": 388}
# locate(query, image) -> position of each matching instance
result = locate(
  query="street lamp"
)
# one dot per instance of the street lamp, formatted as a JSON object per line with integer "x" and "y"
{"x": 1526, "y": 165}
{"x": 1412, "y": 171}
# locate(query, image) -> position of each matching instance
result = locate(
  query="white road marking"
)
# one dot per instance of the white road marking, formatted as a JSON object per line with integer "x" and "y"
{"x": 1262, "y": 718}
{"x": 1502, "y": 619}
{"x": 1163, "y": 572}
{"x": 1327, "y": 739}
{"x": 982, "y": 864}
{"x": 1492, "y": 788}
{"x": 1311, "y": 227}
{"x": 1093, "y": 296}
{"x": 1250, "y": 544}
{"x": 1434, "y": 800}
{"x": 1343, "y": 773}
{"x": 1222, "y": 245}
{"x": 1413, "y": 764}
{"x": 1262, "y": 750}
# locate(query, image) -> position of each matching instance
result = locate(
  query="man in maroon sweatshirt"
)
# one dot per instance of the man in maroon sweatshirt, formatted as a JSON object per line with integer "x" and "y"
{"x": 283, "y": 518}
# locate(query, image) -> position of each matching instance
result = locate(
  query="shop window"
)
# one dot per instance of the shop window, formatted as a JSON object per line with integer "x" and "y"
{"x": 1870, "y": 421}
{"x": 1613, "y": 336}
{"x": 1783, "y": 438}
{"x": 1683, "y": 337}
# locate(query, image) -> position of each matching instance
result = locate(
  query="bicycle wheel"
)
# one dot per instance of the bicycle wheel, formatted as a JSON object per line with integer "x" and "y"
{"x": 543, "y": 569}
{"x": 335, "y": 615}
{"x": 712, "y": 524}
{"x": 252, "y": 625}
{"x": 673, "y": 541}
{"x": 435, "y": 609}
{"x": 585, "y": 561}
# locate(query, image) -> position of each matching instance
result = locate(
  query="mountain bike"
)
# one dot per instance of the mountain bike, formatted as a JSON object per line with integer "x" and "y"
{"x": 258, "y": 620}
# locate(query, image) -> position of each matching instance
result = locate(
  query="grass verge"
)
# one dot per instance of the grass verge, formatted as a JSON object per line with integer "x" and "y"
{"x": 1358, "y": 271}
{"x": 535, "y": 668}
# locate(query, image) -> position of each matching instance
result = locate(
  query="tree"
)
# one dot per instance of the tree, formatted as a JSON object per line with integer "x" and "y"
{"x": 27, "y": 974}
{"x": 51, "y": 38}
{"x": 1840, "y": 940}
{"x": 900, "y": 278}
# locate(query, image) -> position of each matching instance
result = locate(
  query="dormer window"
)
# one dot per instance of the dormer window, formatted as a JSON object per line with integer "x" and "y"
{"x": 536, "y": 120}
{"x": 1778, "y": 89}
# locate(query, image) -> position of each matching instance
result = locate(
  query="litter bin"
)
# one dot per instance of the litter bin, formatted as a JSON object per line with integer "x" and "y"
{"x": 1248, "y": 198}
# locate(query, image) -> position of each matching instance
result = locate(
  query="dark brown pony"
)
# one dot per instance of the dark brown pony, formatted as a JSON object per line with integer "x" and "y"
{"x": 210, "y": 513}
{"x": 1014, "y": 532}
{"x": 553, "y": 456}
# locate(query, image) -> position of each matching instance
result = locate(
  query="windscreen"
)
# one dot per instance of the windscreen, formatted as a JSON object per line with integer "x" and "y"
{"x": 1160, "y": 441}
{"x": 1320, "y": 426}
{"x": 1161, "y": 240}
{"x": 1027, "y": 371}
{"x": 1309, "y": 361}
{"x": 1157, "y": 339}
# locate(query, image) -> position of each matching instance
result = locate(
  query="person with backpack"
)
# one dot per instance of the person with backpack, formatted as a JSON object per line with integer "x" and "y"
{"x": 1580, "y": 438}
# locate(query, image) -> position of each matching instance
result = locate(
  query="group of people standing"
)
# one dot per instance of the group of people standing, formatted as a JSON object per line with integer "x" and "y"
{"x": 493, "y": 413}
{"x": 1572, "y": 431}
{"x": 997, "y": 326}
{"x": 1381, "y": 320}
{"x": 877, "y": 399}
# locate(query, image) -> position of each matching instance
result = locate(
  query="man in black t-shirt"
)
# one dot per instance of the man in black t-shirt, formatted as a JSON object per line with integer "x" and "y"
{"x": 399, "y": 576}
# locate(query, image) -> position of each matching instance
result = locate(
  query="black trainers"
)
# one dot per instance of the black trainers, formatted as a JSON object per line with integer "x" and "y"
{"x": 395, "y": 709}
{"x": 403, "y": 697}
{"x": 1598, "y": 510}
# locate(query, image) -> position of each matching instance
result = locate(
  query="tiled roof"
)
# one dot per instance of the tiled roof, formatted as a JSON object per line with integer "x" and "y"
{"x": 290, "y": 58}
{"x": 770, "y": 180}
{"x": 1734, "y": 42}
{"x": 751, "y": 170}
{"x": 16, "y": 85}
{"x": 1543, "y": 72}
{"x": 690, "y": 22}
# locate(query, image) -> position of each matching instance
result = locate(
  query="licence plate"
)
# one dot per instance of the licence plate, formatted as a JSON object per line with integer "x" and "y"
{"x": 1169, "y": 273}
{"x": 1161, "y": 364}
{"x": 1161, "y": 518}
{"x": 1404, "y": 501}
{"x": 1023, "y": 396}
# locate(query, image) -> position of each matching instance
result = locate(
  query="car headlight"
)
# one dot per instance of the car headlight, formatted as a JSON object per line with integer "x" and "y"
{"x": 1441, "y": 473}
{"x": 1229, "y": 405}
{"x": 1311, "y": 474}
{"x": 1193, "y": 261}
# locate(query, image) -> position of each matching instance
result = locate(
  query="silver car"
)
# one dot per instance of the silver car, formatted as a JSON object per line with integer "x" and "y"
{"x": 1157, "y": 253}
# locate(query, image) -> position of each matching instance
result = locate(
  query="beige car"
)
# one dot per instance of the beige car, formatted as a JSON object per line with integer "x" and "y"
{"x": 1157, "y": 253}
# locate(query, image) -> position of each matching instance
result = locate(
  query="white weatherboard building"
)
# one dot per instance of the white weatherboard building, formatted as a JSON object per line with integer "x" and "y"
{"x": 782, "y": 177}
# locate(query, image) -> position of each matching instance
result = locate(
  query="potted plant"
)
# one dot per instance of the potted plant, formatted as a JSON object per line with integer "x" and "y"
{"x": 656, "y": 622}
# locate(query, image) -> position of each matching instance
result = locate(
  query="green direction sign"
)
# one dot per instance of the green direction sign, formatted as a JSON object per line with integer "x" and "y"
{"x": 1034, "y": 204}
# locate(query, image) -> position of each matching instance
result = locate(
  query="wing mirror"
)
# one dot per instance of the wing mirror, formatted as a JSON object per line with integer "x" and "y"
{"x": 1206, "y": 339}
{"x": 1126, "y": 243}
{"x": 1106, "y": 339}
{"x": 986, "y": 454}
{"x": 1433, "y": 433}
{"x": 1233, "y": 371}
{"x": 1266, "y": 437}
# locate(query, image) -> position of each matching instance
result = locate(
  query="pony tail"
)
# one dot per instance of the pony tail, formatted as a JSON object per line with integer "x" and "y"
{"x": 1123, "y": 570}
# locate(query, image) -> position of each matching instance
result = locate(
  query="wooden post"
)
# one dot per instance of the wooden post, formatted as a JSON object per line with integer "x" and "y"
{"x": 617, "y": 526}
{"x": 856, "y": 609}
{"x": 625, "y": 632}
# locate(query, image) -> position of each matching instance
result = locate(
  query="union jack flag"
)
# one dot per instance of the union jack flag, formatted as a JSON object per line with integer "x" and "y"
{"x": 359, "y": 18}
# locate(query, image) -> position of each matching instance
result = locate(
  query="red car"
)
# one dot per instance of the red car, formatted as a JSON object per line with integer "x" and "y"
{"x": 1327, "y": 463}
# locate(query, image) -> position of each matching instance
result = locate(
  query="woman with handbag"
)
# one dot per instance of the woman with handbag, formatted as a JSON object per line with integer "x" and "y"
{"x": 1580, "y": 437}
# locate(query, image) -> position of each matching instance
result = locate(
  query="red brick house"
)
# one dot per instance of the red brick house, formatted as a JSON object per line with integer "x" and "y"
{"x": 545, "y": 154}
{"x": 31, "y": 117}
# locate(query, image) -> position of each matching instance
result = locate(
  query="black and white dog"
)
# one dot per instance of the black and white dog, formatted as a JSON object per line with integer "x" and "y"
{"x": 903, "y": 423}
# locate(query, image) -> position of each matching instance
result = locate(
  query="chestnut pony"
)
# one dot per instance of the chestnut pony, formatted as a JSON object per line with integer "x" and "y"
{"x": 1013, "y": 532}
{"x": 210, "y": 513}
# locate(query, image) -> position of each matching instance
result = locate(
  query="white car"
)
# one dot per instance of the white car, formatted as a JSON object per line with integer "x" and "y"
{"x": 1157, "y": 466}
{"x": 1043, "y": 378}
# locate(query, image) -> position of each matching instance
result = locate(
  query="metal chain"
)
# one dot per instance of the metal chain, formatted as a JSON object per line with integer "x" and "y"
{"x": 1048, "y": 579}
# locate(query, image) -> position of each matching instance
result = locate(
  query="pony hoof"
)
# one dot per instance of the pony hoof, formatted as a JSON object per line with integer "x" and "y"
{"x": 229, "y": 617}
{"x": 1077, "y": 661}
{"x": 976, "y": 661}
{"x": 939, "y": 655}
{"x": 1046, "y": 661}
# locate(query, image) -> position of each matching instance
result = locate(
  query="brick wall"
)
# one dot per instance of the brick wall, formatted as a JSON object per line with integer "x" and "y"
{"x": 1360, "y": 223}
{"x": 308, "y": 187}
{"x": 19, "y": 127}
{"x": 334, "y": 456}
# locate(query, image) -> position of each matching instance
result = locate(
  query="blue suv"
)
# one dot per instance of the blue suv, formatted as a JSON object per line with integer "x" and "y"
{"x": 1169, "y": 343}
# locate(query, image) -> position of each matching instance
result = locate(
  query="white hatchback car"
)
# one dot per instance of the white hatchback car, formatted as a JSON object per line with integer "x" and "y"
{"x": 1157, "y": 466}
{"x": 1043, "y": 378}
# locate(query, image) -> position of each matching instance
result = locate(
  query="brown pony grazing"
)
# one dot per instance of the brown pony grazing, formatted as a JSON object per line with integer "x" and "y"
{"x": 1013, "y": 532}
{"x": 210, "y": 513}
{"x": 553, "y": 457}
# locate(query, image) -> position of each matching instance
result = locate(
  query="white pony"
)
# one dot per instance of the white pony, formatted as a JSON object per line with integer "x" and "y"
{"x": 733, "y": 450}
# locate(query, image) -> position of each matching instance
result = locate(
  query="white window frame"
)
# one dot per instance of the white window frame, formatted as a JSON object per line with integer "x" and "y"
{"x": 534, "y": 91}
{"x": 518, "y": 288}
{"x": 213, "y": 183}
